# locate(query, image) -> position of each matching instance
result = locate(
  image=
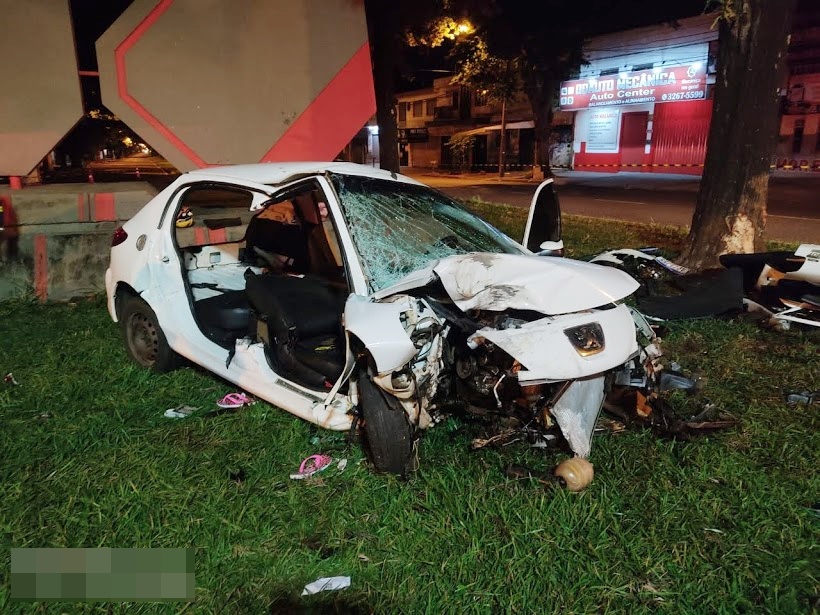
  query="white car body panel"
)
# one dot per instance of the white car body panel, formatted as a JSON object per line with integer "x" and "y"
{"x": 547, "y": 354}
{"x": 498, "y": 282}
{"x": 810, "y": 270}
{"x": 546, "y": 284}
{"x": 379, "y": 328}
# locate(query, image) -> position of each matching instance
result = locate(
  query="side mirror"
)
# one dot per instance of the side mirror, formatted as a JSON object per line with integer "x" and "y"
{"x": 551, "y": 248}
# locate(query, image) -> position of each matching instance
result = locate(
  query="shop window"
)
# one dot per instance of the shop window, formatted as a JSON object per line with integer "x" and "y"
{"x": 711, "y": 59}
{"x": 418, "y": 108}
{"x": 797, "y": 139}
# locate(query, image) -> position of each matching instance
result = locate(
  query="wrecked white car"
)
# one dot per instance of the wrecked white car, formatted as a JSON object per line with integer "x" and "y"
{"x": 349, "y": 296}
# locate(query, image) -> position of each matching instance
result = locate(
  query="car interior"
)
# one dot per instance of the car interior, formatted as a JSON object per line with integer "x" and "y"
{"x": 275, "y": 277}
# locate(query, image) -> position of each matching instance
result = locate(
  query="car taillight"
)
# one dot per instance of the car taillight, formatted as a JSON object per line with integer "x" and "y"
{"x": 119, "y": 236}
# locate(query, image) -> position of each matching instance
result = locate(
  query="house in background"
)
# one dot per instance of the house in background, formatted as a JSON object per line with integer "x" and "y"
{"x": 798, "y": 145}
{"x": 428, "y": 119}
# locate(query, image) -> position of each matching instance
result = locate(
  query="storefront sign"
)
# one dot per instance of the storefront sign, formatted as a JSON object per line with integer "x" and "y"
{"x": 602, "y": 131}
{"x": 413, "y": 135}
{"x": 660, "y": 84}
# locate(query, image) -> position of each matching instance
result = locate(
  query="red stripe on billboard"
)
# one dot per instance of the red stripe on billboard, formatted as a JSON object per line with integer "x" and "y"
{"x": 122, "y": 83}
{"x": 41, "y": 267}
{"x": 323, "y": 129}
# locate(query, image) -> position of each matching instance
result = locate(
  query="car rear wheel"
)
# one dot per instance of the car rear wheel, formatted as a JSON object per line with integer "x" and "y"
{"x": 388, "y": 433}
{"x": 144, "y": 339}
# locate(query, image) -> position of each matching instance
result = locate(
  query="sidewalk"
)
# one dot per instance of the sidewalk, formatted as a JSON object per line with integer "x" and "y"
{"x": 623, "y": 180}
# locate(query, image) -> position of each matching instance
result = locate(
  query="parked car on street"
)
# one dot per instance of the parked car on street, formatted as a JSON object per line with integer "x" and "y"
{"x": 349, "y": 296}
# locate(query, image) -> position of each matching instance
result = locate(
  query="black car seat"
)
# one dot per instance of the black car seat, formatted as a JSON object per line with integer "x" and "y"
{"x": 273, "y": 236}
{"x": 299, "y": 321}
{"x": 225, "y": 317}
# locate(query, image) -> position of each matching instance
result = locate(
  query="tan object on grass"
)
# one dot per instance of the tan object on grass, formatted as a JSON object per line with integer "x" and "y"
{"x": 576, "y": 473}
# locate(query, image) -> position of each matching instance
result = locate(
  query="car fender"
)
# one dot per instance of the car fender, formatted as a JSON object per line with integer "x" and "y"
{"x": 379, "y": 327}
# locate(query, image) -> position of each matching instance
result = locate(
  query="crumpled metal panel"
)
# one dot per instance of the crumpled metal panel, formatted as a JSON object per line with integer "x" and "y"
{"x": 546, "y": 284}
{"x": 577, "y": 412}
{"x": 543, "y": 348}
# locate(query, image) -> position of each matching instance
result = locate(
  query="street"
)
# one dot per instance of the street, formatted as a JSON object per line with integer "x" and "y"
{"x": 793, "y": 205}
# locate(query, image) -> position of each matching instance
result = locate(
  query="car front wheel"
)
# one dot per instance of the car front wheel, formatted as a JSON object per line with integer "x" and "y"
{"x": 144, "y": 339}
{"x": 387, "y": 429}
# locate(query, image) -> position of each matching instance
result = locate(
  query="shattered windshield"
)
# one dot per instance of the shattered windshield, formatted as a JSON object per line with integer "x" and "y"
{"x": 398, "y": 228}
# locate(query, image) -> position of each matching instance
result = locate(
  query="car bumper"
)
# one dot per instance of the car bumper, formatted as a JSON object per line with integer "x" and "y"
{"x": 110, "y": 291}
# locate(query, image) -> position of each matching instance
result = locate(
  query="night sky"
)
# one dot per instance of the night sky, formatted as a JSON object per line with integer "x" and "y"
{"x": 92, "y": 18}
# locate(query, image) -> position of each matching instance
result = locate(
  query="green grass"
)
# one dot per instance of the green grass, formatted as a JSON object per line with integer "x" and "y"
{"x": 89, "y": 461}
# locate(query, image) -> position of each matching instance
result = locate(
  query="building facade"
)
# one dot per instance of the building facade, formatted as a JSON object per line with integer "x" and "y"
{"x": 430, "y": 119}
{"x": 643, "y": 103}
{"x": 798, "y": 145}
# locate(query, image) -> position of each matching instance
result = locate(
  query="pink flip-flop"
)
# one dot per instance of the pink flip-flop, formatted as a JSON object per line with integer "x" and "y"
{"x": 312, "y": 465}
{"x": 235, "y": 400}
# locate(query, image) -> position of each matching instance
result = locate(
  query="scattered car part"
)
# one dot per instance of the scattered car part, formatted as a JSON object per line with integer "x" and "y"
{"x": 180, "y": 412}
{"x": 9, "y": 379}
{"x": 653, "y": 412}
{"x": 575, "y": 473}
{"x": 787, "y": 283}
{"x": 326, "y": 584}
{"x": 806, "y": 398}
{"x": 670, "y": 291}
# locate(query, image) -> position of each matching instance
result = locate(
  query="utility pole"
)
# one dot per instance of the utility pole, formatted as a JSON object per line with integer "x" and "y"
{"x": 503, "y": 137}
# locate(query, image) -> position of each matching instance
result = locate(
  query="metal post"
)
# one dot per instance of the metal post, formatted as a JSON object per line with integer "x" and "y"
{"x": 503, "y": 138}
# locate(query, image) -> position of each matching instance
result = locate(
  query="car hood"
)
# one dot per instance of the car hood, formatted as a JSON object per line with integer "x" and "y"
{"x": 498, "y": 282}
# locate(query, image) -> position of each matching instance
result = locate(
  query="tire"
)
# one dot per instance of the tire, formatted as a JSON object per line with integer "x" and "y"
{"x": 388, "y": 433}
{"x": 144, "y": 340}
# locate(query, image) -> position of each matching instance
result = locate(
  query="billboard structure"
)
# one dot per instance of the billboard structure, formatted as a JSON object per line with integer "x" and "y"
{"x": 210, "y": 82}
{"x": 41, "y": 98}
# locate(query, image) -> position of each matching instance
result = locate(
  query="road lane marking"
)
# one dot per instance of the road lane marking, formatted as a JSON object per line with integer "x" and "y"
{"x": 791, "y": 217}
{"x": 616, "y": 201}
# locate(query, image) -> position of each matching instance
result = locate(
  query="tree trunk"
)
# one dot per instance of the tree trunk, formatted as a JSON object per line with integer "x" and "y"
{"x": 540, "y": 92}
{"x": 730, "y": 215}
{"x": 383, "y": 27}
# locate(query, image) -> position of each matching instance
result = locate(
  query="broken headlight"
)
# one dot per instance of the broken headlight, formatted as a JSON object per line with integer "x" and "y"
{"x": 586, "y": 339}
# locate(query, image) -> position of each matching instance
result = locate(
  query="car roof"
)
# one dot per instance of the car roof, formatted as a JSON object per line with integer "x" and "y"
{"x": 278, "y": 172}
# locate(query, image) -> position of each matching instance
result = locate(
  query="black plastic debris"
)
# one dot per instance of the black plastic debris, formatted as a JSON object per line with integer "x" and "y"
{"x": 711, "y": 293}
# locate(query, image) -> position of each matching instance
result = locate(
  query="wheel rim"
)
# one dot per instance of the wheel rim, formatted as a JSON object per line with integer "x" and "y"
{"x": 143, "y": 339}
